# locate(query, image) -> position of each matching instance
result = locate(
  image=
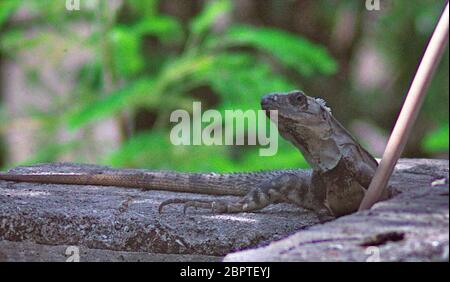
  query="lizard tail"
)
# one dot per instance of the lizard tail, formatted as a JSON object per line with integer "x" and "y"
{"x": 213, "y": 184}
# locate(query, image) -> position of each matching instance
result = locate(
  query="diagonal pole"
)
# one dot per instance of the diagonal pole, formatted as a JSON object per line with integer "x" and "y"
{"x": 409, "y": 112}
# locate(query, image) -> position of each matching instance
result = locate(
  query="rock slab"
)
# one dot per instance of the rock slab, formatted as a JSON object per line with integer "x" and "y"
{"x": 412, "y": 226}
{"x": 45, "y": 222}
{"x": 127, "y": 220}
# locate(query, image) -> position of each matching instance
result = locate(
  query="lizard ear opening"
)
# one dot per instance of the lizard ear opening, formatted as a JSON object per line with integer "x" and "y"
{"x": 326, "y": 116}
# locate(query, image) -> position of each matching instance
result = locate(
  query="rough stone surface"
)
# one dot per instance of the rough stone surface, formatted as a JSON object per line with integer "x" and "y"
{"x": 28, "y": 251}
{"x": 412, "y": 226}
{"x": 124, "y": 219}
{"x": 39, "y": 221}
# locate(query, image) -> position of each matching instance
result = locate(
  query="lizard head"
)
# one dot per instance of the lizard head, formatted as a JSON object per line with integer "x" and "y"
{"x": 307, "y": 123}
{"x": 296, "y": 108}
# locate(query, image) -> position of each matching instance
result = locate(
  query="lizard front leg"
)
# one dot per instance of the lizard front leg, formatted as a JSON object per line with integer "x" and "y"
{"x": 280, "y": 189}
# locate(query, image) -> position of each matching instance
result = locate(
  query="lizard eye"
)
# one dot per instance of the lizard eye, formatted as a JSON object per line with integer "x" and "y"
{"x": 299, "y": 99}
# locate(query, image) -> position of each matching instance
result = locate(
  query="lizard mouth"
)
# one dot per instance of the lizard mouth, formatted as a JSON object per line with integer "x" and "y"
{"x": 265, "y": 105}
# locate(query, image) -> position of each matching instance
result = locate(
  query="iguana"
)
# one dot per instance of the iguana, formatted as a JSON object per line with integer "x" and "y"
{"x": 341, "y": 168}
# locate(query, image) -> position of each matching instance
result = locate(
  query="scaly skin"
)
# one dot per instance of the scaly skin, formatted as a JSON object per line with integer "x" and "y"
{"x": 231, "y": 184}
{"x": 341, "y": 168}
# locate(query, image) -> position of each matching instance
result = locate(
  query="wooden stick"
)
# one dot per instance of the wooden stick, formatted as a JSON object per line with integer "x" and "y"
{"x": 409, "y": 112}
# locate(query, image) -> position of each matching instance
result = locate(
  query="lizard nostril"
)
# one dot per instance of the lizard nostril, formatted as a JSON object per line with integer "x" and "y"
{"x": 268, "y": 99}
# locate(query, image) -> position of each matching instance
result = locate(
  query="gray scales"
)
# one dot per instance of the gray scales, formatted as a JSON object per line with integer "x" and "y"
{"x": 341, "y": 169}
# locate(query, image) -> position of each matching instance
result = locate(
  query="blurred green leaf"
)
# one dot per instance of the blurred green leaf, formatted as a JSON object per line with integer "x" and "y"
{"x": 147, "y": 8}
{"x": 205, "y": 19}
{"x": 14, "y": 40}
{"x": 161, "y": 154}
{"x": 127, "y": 57}
{"x": 286, "y": 157}
{"x": 293, "y": 51}
{"x": 437, "y": 140}
{"x": 164, "y": 27}
{"x": 112, "y": 103}
{"x": 240, "y": 79}
{"x": 146, "y": 92}
{"x": 159, "y": 77}
{"x": 130, "y": 154}
{"x": 7, "y": 8}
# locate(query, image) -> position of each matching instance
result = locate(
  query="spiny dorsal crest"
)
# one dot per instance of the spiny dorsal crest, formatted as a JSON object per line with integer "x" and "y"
{"x": 322, "y": 103}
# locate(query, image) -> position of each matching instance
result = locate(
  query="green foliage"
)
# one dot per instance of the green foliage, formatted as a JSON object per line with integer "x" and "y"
{"x": 239, "y": 79}
{"x": 127, "y": 58}
{"x": 292, "y": 51}
{"x": 155, "y": 144}
{"x": 205, "y": 19}
{"x": 414, "y": 21}
{"x": 437, "y": 140}
{"x": 16, "y": 40}
{"x": 160, "y": 77}
{"x": 165, "y": 28}
{"x": 192, "y": 158}
{"x": 143, "y": 8}
{"x": 7, "y": 7}
{"x": 111, "y": 104}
